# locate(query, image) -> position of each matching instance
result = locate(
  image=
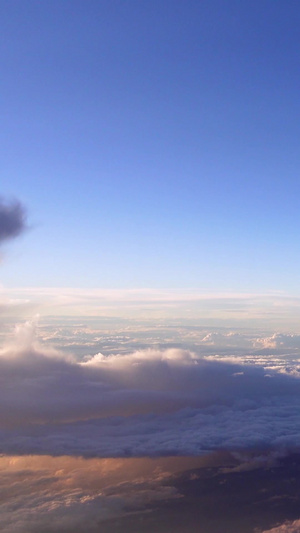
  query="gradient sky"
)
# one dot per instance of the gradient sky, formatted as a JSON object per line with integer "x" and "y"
{"x": 149, "y": 266}
{"x": 154, "y": 144}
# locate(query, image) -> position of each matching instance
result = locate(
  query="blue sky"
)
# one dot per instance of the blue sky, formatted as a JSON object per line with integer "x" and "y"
{"x": 154, "y": 144}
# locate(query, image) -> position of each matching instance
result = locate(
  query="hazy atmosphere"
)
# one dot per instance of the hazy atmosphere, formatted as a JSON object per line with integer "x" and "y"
{"x": 149, "y": 266}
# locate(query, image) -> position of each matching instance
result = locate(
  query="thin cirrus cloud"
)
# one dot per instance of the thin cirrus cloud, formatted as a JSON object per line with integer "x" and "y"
{"x": 149, "y": 402}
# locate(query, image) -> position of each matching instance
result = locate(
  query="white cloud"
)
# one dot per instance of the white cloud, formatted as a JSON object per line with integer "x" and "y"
{"x": 279, "y": 340}
{"x": 229, "y": 339}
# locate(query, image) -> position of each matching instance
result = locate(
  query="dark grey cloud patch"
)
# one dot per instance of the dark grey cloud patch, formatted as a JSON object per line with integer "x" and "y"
{"x": 12, "y": 220}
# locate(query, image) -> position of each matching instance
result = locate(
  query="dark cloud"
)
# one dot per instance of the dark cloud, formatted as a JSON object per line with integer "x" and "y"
{"x": 12, "y": 220}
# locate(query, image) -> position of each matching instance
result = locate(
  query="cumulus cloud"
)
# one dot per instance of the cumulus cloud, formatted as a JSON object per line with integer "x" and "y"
{"x": 149, "y": 402}
{"x": 279, "y": 340}
{"x": 12, "y": 220}
{"x": 232, "y": 339}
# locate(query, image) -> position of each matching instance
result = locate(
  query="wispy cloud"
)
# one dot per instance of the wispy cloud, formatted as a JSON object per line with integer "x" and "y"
{"x": 272, "y": 310}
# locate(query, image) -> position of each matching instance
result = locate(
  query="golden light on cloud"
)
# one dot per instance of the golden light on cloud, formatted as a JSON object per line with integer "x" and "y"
{"x": 56, "y": 492}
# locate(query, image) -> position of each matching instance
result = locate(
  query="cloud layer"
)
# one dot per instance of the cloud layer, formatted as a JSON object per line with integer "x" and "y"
{"x": 12, "y": 220}
{"x": 67, "y": 494}
{"x": 149, "y": 402}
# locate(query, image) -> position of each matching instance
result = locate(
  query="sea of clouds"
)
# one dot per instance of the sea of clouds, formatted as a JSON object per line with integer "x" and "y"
{"x": 147, "y": 403}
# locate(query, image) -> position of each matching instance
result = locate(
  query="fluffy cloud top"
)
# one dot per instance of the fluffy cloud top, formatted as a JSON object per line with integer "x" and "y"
{"x": 280, "y": 340}
{"x": 12, "y": 220}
